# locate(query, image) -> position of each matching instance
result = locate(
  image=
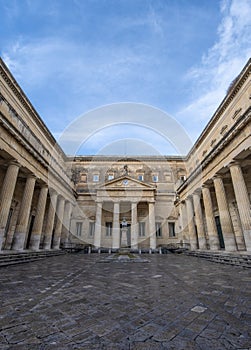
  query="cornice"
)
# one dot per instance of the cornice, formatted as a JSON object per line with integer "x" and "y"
{"x": 238, "y": 83}
{"x": 232, "y": 132}
{"x": 19, "y": 93}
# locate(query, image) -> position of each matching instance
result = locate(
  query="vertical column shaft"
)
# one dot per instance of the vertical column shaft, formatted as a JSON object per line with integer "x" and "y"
{"x": 50, "y": 220}
{"x": 225, "y": 218}
{"x": 116, "y": 227}
{"x": 66, "y": 223}
{"x": 24, "y": 214}
{"x": 39, "y": 219}
{"x": 190, "y": 222}
{"x": 243, "y": 202}
{"x": 199, "y": 221}
{"x": 152, "y": 228}
{"x": 183, "y": 221}
{"x": 59, "y": 222}
{"x": 134, "y": 226}
{"x": 6, "y": 196}
{"x": 98, "y": 225}
{"x": 210, "y": 220}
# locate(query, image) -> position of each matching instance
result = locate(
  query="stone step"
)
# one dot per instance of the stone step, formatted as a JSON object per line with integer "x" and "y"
{"x": 243, "y": 260}
{"x": 12, "y": 258}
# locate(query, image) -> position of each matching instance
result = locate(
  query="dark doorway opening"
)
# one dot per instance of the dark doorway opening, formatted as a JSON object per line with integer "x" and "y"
{"x": 29, "y": 231}
{"x": 219, "y": 231}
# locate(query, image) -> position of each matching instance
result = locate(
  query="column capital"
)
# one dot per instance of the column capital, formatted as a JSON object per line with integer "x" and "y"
{"x": 217, "y": 176}
{"x": 31, "y": 176}
{"x": 197, "y": 191}
{"x": 233, "y": 163}
{"x": 14, "y": 162}
{"x": 52, "y": 191}
{"x": 205, "y": 186}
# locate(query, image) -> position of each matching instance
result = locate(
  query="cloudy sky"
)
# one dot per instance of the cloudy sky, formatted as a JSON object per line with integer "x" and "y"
{"x": 71, "y": 57}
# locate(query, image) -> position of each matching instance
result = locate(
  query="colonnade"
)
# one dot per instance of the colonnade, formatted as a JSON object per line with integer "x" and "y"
{"x": 197, "y": 227}
{"x": 52, "y": 224}
{"x": 116, "y": 239}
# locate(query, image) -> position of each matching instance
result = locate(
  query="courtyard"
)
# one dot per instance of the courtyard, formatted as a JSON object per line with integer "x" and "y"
{"x": 82, "y": 301}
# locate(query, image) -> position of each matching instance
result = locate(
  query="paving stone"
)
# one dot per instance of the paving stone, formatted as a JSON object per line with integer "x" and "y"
{"x": 75, "y": 301}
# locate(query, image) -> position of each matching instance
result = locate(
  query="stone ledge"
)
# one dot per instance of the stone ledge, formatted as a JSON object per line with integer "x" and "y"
{"x": 17, "y": 257}
{"x": 242, "y": 259}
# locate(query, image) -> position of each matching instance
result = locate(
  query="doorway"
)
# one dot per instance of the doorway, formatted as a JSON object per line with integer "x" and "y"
{"x": 219, "y": 231}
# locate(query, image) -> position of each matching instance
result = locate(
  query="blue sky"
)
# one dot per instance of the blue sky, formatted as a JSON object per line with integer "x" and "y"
{"x": 73, "y": 56}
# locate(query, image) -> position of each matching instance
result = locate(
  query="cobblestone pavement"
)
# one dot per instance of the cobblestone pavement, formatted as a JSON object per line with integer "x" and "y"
{"x": 76, "y": 301}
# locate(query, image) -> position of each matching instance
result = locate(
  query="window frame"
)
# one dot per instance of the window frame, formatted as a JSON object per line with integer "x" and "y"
{"x": 158, "y": 229}
{"x": 108, "y": 228}
{"x": 79, "y": 228}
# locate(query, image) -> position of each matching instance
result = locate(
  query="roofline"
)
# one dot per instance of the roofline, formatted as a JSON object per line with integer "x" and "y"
{"x": 232, "y": 91}
{"x": 18, "y": 91}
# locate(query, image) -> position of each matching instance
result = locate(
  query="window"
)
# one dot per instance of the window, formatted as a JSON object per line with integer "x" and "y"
{"x": 108, "y": 226}
{"x": 91, "y": 229}
{"x": 142, "y": 232}
{"x": 158, "y": 229}
{"x": 79, "y": 228}
{"x": 83, "y": 178}
{"x": 110, "y": 177}
{"x": 141, "y": 177}
{"x": 171, "y": 226}
{"x": 183, "y": 178}
{"x": 96, "y": 178}
{"x": 155, "y": 178}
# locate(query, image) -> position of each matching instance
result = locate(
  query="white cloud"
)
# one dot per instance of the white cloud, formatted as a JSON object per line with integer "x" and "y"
{"x": 221, "y": 64}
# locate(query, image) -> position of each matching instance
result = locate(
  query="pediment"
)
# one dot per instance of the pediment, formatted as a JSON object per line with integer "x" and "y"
{"x": 125, "y": 183}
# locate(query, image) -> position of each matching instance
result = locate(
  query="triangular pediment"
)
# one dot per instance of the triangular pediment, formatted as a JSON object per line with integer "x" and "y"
{"x": 125, "y": 182}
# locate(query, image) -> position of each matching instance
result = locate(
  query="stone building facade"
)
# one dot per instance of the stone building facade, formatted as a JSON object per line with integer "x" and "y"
{"x": 200, "y": 201}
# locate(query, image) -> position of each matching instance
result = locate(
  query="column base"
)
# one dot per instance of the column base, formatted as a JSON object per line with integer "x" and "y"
{"x": 18, "y": 242}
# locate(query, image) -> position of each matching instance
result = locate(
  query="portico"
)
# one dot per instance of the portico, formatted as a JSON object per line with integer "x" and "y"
{"x": 117, "y": 200}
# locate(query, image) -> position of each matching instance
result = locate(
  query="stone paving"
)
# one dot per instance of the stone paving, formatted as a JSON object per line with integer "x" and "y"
{"x": 77, "y": 301}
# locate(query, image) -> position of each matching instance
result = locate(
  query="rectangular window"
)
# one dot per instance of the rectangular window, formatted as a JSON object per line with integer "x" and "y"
{"x": 141, "y": 177}
{"x": 83, "y": 178}
{"x": 158, "y": 229}
{"x": 155, "y": 178}
{"x": 96, "y": 178}
{"x": 108, "y": 226}
{"x": 171, "y": 226}
{"x": 91, "y": 229}
{"x": 79, "y": 228}
{"x": 110, "y": 177}
{"x": 142, "y": 232}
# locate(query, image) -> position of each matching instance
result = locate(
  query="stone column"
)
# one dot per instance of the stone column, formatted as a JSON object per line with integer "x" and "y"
{"x": 116, "y": 227}
{"x": 134, "y": 226}
{"x": 183, "y": 221}
{"x": 243, "y": 202}
{"x": 66, "y": 223}
{"x": 39, "y": 219}
{"x": 210, "y": 220}
{"x": 199, "y": 220}
{"x": 59, "y": 222}
{"x": 190, "y": 222}
{"x": 7, "y": 191}
{"x": 152, "y": 228}
{"x": 50, "y": 220}
{"x": 98, "y": 226}
{"x": 225, "y": 218}
{"x": 24, "y": 214}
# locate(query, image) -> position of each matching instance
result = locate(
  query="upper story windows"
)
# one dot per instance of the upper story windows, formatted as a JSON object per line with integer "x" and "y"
{"x": 110, "y": 177}
{"x": 141, "y": 177}
{"x": 155, "y": 178}
{"x": 95, "y": 178}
